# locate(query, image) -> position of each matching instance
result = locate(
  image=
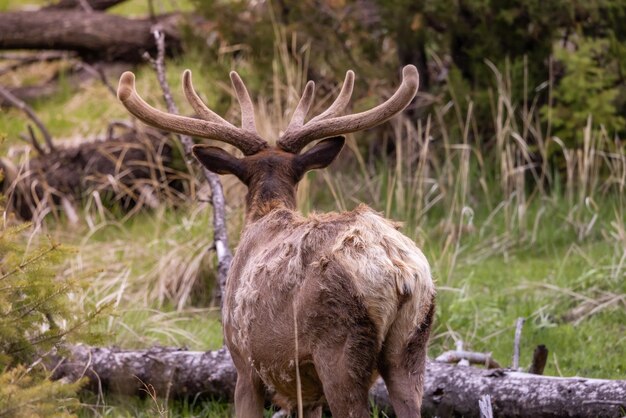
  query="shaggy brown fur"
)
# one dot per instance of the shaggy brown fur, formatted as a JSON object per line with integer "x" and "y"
{"x": 358, "y": 292}
{"x": 363, "y": 296}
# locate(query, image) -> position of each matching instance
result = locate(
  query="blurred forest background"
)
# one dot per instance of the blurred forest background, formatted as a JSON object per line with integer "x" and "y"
{"x": 508, "y": 169}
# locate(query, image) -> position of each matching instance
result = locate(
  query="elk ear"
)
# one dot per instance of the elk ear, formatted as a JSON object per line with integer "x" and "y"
{"x": 219, "y": 161}
{"x": 319, "y": 156}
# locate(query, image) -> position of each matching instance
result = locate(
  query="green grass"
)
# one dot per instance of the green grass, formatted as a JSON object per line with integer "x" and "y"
{"x": 481, "y": 303}
{"x": 141, "y": 8}
{"x": 10, "y": 5}
{"x": 195, "y": 329}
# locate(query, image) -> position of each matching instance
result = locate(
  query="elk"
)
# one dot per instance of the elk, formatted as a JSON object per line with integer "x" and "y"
{"x": 314, "y": 307}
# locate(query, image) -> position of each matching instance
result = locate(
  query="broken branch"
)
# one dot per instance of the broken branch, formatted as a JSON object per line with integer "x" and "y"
{"x": 220, "y": 236}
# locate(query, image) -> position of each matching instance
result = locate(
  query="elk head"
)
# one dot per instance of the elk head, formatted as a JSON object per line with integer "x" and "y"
{"x": 270, "y": 173}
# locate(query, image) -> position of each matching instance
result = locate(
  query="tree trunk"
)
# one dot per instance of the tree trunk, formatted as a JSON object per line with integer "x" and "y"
{"x": 449, "y": 390}
{"x": 95, "y": 36}
{"x": 172, "y": 372}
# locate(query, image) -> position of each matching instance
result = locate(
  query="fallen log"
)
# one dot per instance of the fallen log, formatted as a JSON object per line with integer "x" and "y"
{"x": 75, "y": 4}
{"x": 449, "y": 390}
{"x": 94, "y": 36}
{"x": 173, "y": 372}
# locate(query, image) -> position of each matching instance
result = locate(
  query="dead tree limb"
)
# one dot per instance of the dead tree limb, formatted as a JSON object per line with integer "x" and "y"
{"x": 94, "y": 36}
{"x": 170, "y": 371}
{"x": 22, "y": 60}
{"x": 74, "y": 76}
{"x": 519, "y": 324}
{"x": 8, "y": 96}
{"x": 122, "y": 167}
{"x": 32, "y": 139}
{"x": 76, "y": 4}
{"x": 449, "y": 390}
{"x": 220, "y": 236}
{"x": 455, "y": 356}
{"x": 540, "y": 357}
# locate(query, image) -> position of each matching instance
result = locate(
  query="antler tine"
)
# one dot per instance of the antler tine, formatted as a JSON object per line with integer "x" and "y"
{"x": 342, "y": 100}
{"x": 247, "y": 109}
{"x": 196, "y": 102}
{"x": 295, "y": 140}
{"x": 297, "y": 119}
{"x": 248, "y": 142}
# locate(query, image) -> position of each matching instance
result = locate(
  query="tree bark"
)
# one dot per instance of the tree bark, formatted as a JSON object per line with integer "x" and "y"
{"x": 95, "y": 36}
{"x": 449, "y": 390}
{"x": 76, "y": 4}
{"x": 173, "y": 373}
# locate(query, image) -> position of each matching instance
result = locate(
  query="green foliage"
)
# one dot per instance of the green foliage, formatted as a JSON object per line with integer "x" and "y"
{"x": 325, "y": 37}
{"x": 521, "y": 38}
{"x": 38, "y": 305}
{"x": 40, "y": 309}
{"x": 29, "y": 394}
{"x": 457, "y": 47}
{"x": 588, "y": 90}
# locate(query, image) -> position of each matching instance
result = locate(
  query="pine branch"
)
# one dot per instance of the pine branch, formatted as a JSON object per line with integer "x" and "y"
{"x": 21, "y": 266}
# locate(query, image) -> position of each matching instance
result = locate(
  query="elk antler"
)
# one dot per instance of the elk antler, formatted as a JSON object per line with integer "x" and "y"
{"x": 213, "y": 126}
{"x": 298, "y": 134}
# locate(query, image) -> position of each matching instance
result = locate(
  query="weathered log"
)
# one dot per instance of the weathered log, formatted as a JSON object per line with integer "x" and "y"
{"x": 95, "y": 36}
{"x": 172, "y": 372}
{"x": 449, "y": 390}
{"x": 76, "y": 4}
{"x": 455, "y": 391}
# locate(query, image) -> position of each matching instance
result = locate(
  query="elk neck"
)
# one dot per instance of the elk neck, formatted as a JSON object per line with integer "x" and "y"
{"x": 272, "y": 186}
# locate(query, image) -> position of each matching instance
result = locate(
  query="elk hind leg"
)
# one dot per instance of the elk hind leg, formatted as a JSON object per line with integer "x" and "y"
{"x": 313, "y": 412}
{"x": 402, "y": 368}
{"x": 346, "y": 387}
{"x": 249, "y": 397}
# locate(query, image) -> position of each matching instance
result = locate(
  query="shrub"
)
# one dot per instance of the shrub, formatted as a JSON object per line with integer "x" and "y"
{"x": 40, "y": 309}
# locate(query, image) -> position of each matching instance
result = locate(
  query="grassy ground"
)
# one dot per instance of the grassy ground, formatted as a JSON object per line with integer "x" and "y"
{"x": 502, "y": 245}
